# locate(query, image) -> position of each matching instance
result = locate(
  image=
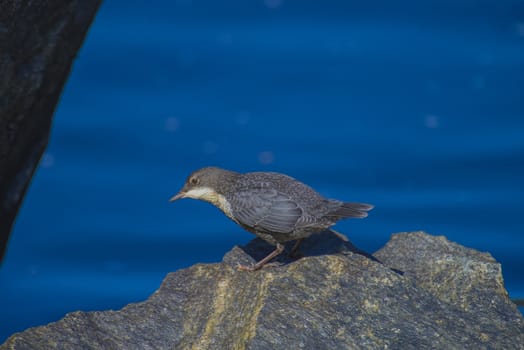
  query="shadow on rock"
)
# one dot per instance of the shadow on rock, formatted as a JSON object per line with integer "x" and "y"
{"x": 324, "y": 243}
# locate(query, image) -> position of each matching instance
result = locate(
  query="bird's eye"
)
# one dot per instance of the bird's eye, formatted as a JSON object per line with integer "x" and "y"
{"x": 193, "y": 180}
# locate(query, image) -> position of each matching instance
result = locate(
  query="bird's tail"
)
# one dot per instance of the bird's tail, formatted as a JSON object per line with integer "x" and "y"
{"x": 351, "y": 210}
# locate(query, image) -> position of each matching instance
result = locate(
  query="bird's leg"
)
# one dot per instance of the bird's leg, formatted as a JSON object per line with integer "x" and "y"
{"x": 293, "y": 252}
{"x": 279, "y": 249}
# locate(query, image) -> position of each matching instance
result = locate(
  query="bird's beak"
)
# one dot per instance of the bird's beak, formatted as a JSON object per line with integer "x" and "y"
{"x": 177, "y": 196}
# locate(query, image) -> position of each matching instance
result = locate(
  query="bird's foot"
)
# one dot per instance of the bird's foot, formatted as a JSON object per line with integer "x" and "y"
{"x": 264, "y": 262}
{"x": 251, "y": 267}
{"x": 255, "y": 267}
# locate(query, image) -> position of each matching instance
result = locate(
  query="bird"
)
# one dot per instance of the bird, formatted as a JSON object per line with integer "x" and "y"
{"x": 273, "y": 206}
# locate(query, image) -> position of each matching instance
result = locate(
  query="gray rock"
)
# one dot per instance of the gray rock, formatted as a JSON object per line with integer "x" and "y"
{"x": 449, "y": 297}
{"x": 38, "y": 42}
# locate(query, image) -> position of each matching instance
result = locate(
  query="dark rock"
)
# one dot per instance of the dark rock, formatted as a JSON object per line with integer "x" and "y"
{"x": 450, "y": 297}
{"x": 38, "y": 42}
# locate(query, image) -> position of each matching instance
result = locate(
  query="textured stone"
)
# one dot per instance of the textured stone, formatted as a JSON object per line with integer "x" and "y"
{"x": 38, "y": 42}
{"x": 449, "y": 297}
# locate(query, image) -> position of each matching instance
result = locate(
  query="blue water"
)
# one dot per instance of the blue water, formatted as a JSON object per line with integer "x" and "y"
{"x": 414, "y": 106}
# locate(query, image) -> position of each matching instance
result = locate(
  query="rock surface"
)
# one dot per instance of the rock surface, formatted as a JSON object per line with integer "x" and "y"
{"x": 449, "y": 297}
{"x": 38, "y": 42}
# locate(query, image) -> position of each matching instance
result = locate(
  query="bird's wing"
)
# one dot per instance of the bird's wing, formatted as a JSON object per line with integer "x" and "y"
{"x": 265, "y": 209}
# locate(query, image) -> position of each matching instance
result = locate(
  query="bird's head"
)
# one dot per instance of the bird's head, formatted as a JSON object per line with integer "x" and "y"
{"x": 206, "y": 184}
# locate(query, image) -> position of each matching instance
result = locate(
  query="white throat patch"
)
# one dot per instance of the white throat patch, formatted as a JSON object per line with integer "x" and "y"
{"x": 204, "y": 193}
{"x": 209, "y": 195}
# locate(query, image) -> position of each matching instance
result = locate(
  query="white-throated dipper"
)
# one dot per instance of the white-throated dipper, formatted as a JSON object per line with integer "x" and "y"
{"x": 273, "y": 206}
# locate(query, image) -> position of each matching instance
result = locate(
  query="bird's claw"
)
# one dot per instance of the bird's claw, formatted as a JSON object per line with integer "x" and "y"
{"x": 251, "y": 267}
{"x": 255, "y": 267}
